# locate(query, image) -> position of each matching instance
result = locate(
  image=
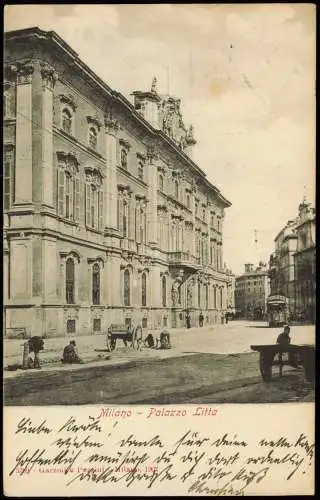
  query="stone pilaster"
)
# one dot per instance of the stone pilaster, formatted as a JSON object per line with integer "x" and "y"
{"x": 23, "y": 163}
{"x": 152, "y": 196}
{"x": 193, "y": 206}
{"x": 111, "y": 129}
{"x": 49, "y": 78}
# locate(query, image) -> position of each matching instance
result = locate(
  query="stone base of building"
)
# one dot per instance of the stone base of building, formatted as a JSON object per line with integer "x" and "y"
{"x": 57, "y": 320}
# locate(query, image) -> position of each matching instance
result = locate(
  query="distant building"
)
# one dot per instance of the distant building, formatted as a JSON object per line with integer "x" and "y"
{"x": 305, "y": 263}
{"x": 292, "y": 265}
{"x": 231, "y": 288}
{"x": 251, "y": 292}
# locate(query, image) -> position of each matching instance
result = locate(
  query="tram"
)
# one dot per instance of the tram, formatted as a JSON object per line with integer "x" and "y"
{"x": 277, "y": 310}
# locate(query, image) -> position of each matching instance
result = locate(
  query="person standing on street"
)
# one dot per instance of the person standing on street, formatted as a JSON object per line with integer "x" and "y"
{"x": 36, "y": 344}
{"x": 188, "y": 319}
{"x": 201, "y": 318}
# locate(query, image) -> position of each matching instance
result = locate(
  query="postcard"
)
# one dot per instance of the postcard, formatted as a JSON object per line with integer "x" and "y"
{"x": 159, "y": 250}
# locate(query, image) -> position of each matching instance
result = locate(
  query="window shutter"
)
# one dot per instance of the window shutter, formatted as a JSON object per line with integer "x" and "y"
{"x": 101, "y": 218}
{"x": 77, "y": 198}
{"x": 120, "y": 215}
{"x": 61, "y": 191}
{"x": 88, "y": 204}
{"x": 136, "y": 224}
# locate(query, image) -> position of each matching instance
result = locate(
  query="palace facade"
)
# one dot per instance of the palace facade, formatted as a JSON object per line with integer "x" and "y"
{"x": 107, "y": 219}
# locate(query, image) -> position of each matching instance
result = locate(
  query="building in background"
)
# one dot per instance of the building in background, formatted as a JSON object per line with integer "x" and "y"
{"x": 251, "y": 292}
{"x": 281, "y": 265}
{"x": 107, "y": 219}
{"x": 231, "y": 288}
{"x": 305, "y": 264}
{"x": 292, "y": 265}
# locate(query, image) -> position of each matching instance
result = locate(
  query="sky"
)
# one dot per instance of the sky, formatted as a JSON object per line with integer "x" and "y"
{"x": 246, "y": 78}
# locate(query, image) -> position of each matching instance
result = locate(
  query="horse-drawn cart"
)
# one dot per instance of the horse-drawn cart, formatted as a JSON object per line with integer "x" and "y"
{"x": 275, "y": 355}
{"x": 128, "y": 334}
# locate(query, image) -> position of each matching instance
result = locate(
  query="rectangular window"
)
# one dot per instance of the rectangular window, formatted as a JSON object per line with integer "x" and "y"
{"x": 165, "y": 321}
{"x": 97, "y": 325}
{"x": 71, "y": 326}
{"x": 144, "y": 322}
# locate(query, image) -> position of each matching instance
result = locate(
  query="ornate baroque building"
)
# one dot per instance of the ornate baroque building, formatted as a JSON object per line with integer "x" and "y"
{"x": 251, "y": 292}
{"x": 106, "y": 216}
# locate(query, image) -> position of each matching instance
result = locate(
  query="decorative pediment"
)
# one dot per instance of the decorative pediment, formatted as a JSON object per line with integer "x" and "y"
{"x": 69, "y": 160}
{"x": 96, "y": 260}
{"x": 73, "y": 254}
{"x": 94, "y": 120}
{"x": 69, "y": 100}
{"x": 162, "y": 208}
{"x": 142, "y": 157}
{"x": 93, "y": 176}
{"x": 124, "y": 143}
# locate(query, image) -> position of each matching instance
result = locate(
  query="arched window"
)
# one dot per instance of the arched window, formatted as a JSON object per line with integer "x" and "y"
{"x": 207, "y": 296}
{"x": 160, "y": 182}
{"x": 124, "y": 158}
{"x": 70, "y": 273}
{"x": 176, "y": 190}
{"x": 96, "y": 285}
{"x": 164, "y": 291}
{"x": 179, "y": 295}
{"x": 66, "y": 121}
{"x": 221, "y": 297}
{"x": 93, "y": 138}
{"x": 144, "y": 289}
{"x": 126, "y": 287}
{"x": 214, "y": 297}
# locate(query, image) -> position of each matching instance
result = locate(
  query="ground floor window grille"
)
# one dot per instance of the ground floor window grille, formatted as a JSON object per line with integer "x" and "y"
{"x": 128, "y": 322}
{"x": 97, "y": 325}
{"x": 71, "y": 326}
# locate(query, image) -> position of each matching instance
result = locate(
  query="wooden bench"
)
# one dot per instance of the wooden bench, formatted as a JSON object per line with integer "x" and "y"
{"x": 273, "y": 355}
{"x": 128, "y": 334}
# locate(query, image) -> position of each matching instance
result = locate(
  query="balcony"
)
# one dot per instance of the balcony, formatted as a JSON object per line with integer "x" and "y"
{"x": 184, "y": 259}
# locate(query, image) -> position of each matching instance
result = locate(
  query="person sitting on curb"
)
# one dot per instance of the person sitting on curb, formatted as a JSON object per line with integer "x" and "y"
{"x": 36, "y": 344}
{"x": 165, "y": 340}
{"x": 149, "y": 341}
{"x": 70, "y": 354}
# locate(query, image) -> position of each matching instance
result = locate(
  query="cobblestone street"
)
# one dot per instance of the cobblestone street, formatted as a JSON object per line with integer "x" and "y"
{"x": 204, "y": 365}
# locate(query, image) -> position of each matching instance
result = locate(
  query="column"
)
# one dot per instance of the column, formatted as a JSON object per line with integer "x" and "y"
{"x": 23, "y": 163}
{"x": 193, "y": 242}
{"x": 208, "y": 237}
{"x": 111, "y": 194}
{"x": 131, "y": 216}
{"x": 49, "y": 78}
{"x": 152, "y": 195}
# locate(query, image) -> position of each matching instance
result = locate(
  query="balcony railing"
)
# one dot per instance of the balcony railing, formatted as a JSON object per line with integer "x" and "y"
{"x": 183, "y": 257}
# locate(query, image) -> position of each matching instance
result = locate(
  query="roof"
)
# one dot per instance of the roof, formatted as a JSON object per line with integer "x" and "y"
{"x": 53, "y": 38}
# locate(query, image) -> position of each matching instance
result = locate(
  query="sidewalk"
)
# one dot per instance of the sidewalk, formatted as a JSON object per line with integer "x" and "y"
{"x": 91, "y": 348}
